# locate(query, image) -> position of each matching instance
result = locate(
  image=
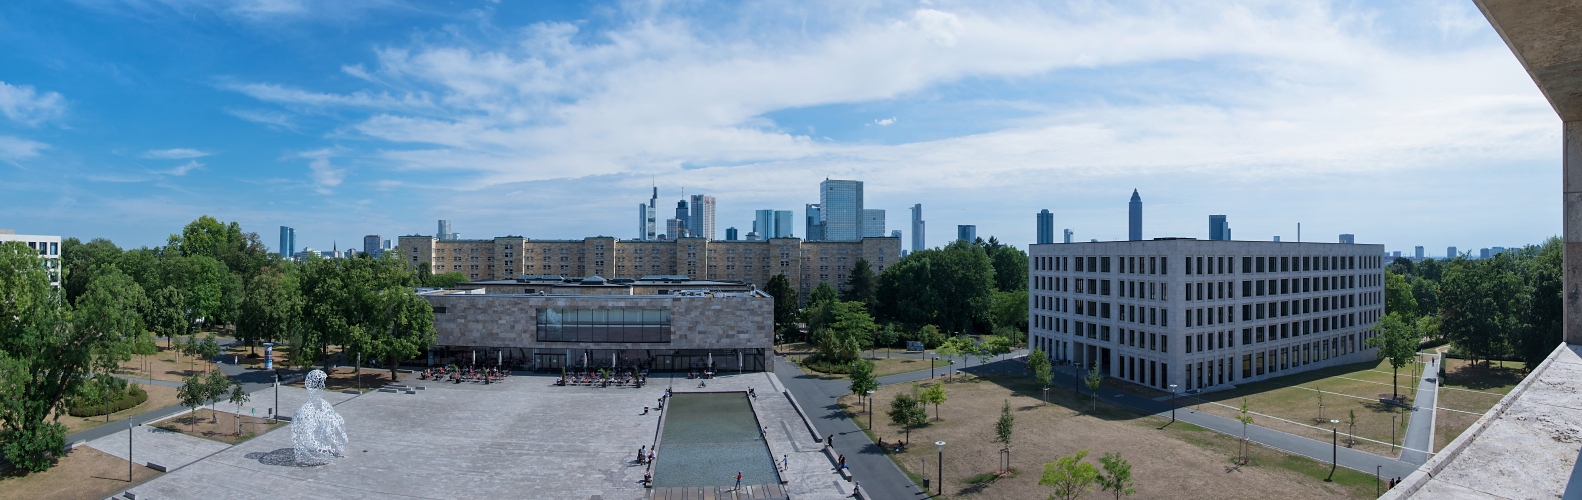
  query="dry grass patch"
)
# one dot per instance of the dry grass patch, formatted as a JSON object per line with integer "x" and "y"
{"x": 228, "y": 428}
{"x": 84, "y": 473}
{"x": 168, "y": 365}
{"x": 1178, "y": 461}
{"x": 1472, "y": 388}
{"x": 158, "y": 397}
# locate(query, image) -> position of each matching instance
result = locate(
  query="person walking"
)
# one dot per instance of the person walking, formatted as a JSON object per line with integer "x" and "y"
{"x": 738, "y": 481}
{"x": 786, "y": 461}
{"x": 642, "y": 453}
{"x": 856, "y": 489}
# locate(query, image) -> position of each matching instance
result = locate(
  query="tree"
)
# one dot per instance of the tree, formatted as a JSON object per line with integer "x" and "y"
{"x": 998, "y": 345}
{"x": 860, "y": 284}
{"x": 1117, "y": 475}
{"x": 1543, "y": 314}
{"x": 1481, "y": 303}
{"x": 1070, "y": 476}
{"x": 216, "y": 386}
{"x": 934, "y": 394}
{"x": 950, "y": 287}
{"x": 193, "y": 393}
{"x": 166, "y": 315}
{"x": 1397, "y": 341}
{"x": 851, "y": 320}
{"x": 1010, "y": 311}
{"x": 238, "y": 397}
{"x": 447, "y": 280}
{"x": 930, "y": 336}
{"x": 906, "y": 411}
{"x": 78, "y": 262}
{"x": 206, "y": 349}
{"x": 1398, "y": 296}
{"x": 403, "y": 331}
{"x": 1245, "y": 417}
{"x": 1094, "y": 379}
{"x": 1352, "y": 422}
{"x": 819, "y": 311}
{"x": 1010, "y": 268}
{"x": 886, "y": 336}
{"x": 1038, "y": 363}
{"x": 109, "y": 311}
{"x": 1002, "y": 430}
{"x": 785, "y": 297}
{"x": 862, "y": 379}
{"x": 271, "y": 308}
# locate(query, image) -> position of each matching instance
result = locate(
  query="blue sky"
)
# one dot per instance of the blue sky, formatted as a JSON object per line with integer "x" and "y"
{"x": 1405, "y": 123}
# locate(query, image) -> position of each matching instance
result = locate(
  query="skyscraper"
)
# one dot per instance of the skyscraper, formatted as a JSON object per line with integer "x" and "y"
{"x": 1419, "y": 252}
{"x": 967, "y": 232}
{"x": 444, "y": 231}
{"x": 917, "y": 227}
{"x": 1046, "y": 227}
{"x": 1218, "y": 228}
{"x": 872, "y": 223}
{"x": 288, "y": 242}
{"x": 815, "y": 222}
{"x": 1134, "y": 221}
{"x": 701, "y": 223}
{"x": 1349, "y": 239}
{"x": 371, "y": 245}
{"x": 679, "y": 226}
{"x": 1483, "y": 253}
{"x": 1450, "y": 253}
{"x": 784, "y": 224}
{"x": 730, "y": 234}
{"x": 648, "y": 218}
{"x": 1068, "y": 236}
{"x": 764, "y": 223}
{"x": 840, "y": 202}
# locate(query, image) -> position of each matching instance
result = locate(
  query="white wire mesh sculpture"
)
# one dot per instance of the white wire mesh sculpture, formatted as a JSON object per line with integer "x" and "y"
{"x": 317, "y": 432}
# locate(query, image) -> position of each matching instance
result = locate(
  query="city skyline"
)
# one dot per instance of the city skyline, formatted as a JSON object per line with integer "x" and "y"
{"x": 341, "y": 121}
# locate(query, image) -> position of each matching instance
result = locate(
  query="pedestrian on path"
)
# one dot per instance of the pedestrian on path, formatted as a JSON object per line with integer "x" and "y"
{"x": 738, "y": 480}
{"x": 786, "y": 460}
{"x": 856, "y": 489}
{"x": 642, "y": 453}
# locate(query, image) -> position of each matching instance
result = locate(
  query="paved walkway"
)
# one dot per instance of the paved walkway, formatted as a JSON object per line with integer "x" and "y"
{"x": 880, "y": 478}
{"x": 1418, "y": 444}
{"x": 154, "y": 445}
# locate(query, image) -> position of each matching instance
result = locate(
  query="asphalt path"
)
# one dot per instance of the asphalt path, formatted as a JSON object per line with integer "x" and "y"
{"x": 879, "y": 476}
{"x": 1419, "y": 440}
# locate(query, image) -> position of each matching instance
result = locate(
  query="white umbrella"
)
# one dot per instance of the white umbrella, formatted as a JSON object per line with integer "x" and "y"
{"x": 499, "y": 358}
{"x": 711, "y": 361}
{"x": 475, "y": 358}
{"x": 612, "y": 359}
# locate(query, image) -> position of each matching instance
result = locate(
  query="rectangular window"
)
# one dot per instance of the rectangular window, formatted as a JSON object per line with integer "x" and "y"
{"x": 1153, "y": 265}
{"x": 1104, "y": 310}
{"x": 1259, "y": 262}
{"x": 1104, "y": 264}
{"x": 1260, "y": 288}
{"x": 1153, "y": 340}
{"x": 1246, "y": 336}
{"x": 1246, "y": 366}
{"x": 1200, "y": 264}
{"x": 604, "y": 325}
{"x": 1093, "y": 264}
{"x": 1104, "y": 287}
{"x": 1246, "y": 288}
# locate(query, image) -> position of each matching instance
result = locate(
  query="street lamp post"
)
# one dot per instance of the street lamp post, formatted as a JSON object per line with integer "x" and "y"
{"x": 1392, "y": 433}
{"x": 940, "y": 474}
{"x": 1172, "y": 403}
{"x": 1376, "y": 470}
{"x": 276, "y": 409}
{"x": 129, "y": 450}
{"x": 1334, "y": 447}
{"x": 931, "y": 365}
{"x": 1076, "y": 379}
{"x": 952, "y": 372}
{"x": 1046, "y": 394}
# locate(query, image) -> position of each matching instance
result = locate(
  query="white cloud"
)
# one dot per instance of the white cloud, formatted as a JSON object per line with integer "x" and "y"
{"x": 884, "y": 122}
{"x": 184, "y": 168}
{"x": 23, "y": 104}
{"x": 16, "y": 148}
{"x": 274, "y": 119}
{"x": 174, "y": 154}
{"x": 325, "y": 175}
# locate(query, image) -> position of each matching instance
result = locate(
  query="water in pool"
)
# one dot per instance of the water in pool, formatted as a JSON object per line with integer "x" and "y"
{"x": 708, "y": 437}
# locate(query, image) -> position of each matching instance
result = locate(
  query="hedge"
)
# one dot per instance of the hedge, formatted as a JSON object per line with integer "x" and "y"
{"x": 135, "y": 396}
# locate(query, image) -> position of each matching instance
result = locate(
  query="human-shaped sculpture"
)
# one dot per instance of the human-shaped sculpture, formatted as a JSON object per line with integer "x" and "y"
{"x": 317, "y": 432}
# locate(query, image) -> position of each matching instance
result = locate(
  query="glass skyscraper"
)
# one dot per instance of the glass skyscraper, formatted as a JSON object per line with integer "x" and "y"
{"x": 288, "y": 242}
{"x": 872, "y": 223}
{"x": 1046, "y": 227}
{"x": 784, "y": 222}
{"x": 1218, "y": 229}
{"x": 840, "y": 202}
{"x": 917, "y": 227}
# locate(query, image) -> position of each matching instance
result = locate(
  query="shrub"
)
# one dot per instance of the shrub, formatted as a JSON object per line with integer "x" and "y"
{"x": 86, "y": 407}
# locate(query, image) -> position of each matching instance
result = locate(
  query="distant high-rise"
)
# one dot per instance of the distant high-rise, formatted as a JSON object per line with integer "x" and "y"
{"x": 371, "y": 245}
{"x": 1046, "y": 227}
{"x": 1350, "y": 239}
{"x": 1419, "y": 252}
{"x": 1396, "y": 254}
{"x": 872, "y": 223}
{"x": 1450, "y": 253}
{"x": 917, "y": 227}
{"x": 784, "y": 224}
{"x": 1218, "y": 228}
{"x": 764, "y": 222}
{"x": 1496, "y": 251}
{"x": 648, "y": 218}
{"x": 1134, "y": 221}
{"x": 444, "y": 231}
{"x": 387, "y": 245}
{"x": 967, "y": 232}
{"x": 840, "y": 202}
{"x": 701, "y": 223}
{"x": 815, "y": 222}
{"x": 895, "y": 234}
{"x": 1483, "y": 253}
{"x": 288, "y": 242}
{"x": 1068, "y": 236}
{"x": 730, "y": 234}
{"x": 684, "y": 219}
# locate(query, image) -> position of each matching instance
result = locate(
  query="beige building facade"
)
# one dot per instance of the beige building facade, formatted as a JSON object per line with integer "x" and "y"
{"x": 805, "y": 263}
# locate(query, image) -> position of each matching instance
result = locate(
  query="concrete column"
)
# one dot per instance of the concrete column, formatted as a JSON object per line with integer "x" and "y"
{"x": 1571, "y": 160}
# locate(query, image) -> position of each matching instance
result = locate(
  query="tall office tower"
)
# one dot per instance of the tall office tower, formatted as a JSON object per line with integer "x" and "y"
{"x": 1134, "y": 219}
{"x": 1483, "y": 253}
{"x": 684, "y": 218}
{"x": 1218, "y": 229}
{"x": 730, "y": 234}
{"x": 1348, "y": 239}
{"x": 387, "y": 245}
{"x": 1277, "y": 239}
{"x": 1046, "y": 226}
{"x": 872, "y": 223}
{"x": 648, "y": 218}
{"x": 841, "y": 209}
{"x": 701, "y": 223}
{"x": 967, "y": 232}
{"x": 1068, "y": 236}
{"x": 785, "y": 221}
{"x": 1450, "y": 253}
{"x": 1496, "y": 251}
{"x": 288, "y": 242}
{"x": 1396, "y": 254}
{"x": 1419, "y": 252}
{"x": 675, "y": 228}
{"x": 917, "y": 227}
{"x": 764, "y": 223}
{"x": 444, "y": 230}
{"x": 815, "y": 222}
{"x": 371, "y": 245}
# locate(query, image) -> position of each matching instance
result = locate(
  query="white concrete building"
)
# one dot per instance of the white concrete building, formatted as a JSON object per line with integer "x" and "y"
{"x": 48, "y": 249}
{"x": 1202, "y": 314}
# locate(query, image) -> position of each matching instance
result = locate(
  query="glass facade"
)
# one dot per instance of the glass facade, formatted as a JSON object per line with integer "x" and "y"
{"x": 603, "y": 325}
{"x": 841, "y": 205}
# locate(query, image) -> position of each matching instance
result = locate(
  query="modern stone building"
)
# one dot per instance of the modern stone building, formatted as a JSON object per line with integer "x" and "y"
{"x": 805, "y": 263}
{"x": 688, "y": 329}
{"x": 1201, "y": 314}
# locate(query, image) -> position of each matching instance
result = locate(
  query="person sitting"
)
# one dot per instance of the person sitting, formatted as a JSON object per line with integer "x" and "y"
{"x": 648, "y": 479}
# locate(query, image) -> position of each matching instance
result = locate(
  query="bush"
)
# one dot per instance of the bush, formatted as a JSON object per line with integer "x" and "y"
{"x": 85, "y": 407}
{"x": 821, "y": 364}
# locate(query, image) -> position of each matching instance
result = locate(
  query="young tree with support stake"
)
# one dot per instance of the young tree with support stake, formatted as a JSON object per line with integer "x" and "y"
{"x": 934, "y": 394}
{"x": 1094, "y": 380}
{"x": 1245, "y": 417}
{"x": 1397, "y": 341}
{"x": 1070, "y": 476}
{"x": 1038, "y": 363}
{"x": 238, "y": 397}
{"x": 1002, "y": 431}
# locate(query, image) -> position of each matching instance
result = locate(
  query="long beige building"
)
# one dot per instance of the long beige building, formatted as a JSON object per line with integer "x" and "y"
{"x": 805, "y": 263}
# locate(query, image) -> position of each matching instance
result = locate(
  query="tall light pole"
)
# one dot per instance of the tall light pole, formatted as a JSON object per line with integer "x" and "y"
{"x": 1376, "y": 470}
{"x": 1334, "y": 447}
{"x": 129, "y": 449}
{"x": 870, "y": 414}
{"x": 1392, "y": 433}
{"x": 952, "y": 372}
{"x": 931, "y": 365}
{"x": 276, "y": 409}
{"x": 941, "y": 473}
{"x": 1172, "y": 403}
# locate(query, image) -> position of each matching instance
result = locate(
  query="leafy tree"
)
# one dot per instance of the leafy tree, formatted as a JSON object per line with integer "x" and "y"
{"x": 1544, "y": 314}
{"x": 886, "y": 336}
{"x": 819, "y": 312}
{"x": 834, "y": 348}
{"x": 851, "y": 320}
{"x": 208, "y": 287}
{"x": 1038, "y": 363}
{"x": 447, "y": 280}
{"x": 1010, "y": 269}
{"x": 1398, "y": 296}
{"x": 1094, "y": 379}
{"x": 934, "y": 394}
{"x": 998, "y": 345}
{"x": 860, "y": 284}
{"x": 403, "y": 331}
{"x": 193, "y": 393}
{"x": 862, "y": 379}
{"x": 345, "y": 301}
{"x": 216, "y": 386}
{"x": 950, "y": 287}
{"x": 930, "y": 336}
{"x": 1010, "y": 310}
{"x": 238, "y": 397}
{"x": 108, "y": 310}
{"x": 1426, "y": 293}
{"x": 1397, "y": 341}
{"x": 906, "y": 411}
{"x": 786, "y": 308}
{"x": 166, "y": 315}
{"x": 1245, "y": 417}
{"x": 1481, "y": 303}
{"x": 823, "y": 292}
{"x": 206, "y": 349}
{"x": 271, "y": 309}
{"x": 425, "y": 274}
{"x": 1070, "y": 476}
{"x": 78, "y": 262}
{"x": 1002, "y": 430}
{"x": 1401, "y": 266}
{"x": 1117, "y": 476}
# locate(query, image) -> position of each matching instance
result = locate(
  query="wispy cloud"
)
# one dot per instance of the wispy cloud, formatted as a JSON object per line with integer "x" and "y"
{"x": 174, "y": 154}
{"x": 183, "y": 168}
{"x": 273, "y": 119}
{"x": 884, "y": 122}
{"x": 23, "y": 104}
{"x": 16, "y": 148}
{"x": 325, "y": 175}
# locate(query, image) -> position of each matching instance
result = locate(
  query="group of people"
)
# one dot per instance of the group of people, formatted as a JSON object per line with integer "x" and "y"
{"x": 634, "y": 378}
{"x": 1394, "y": 481}
{"x": 468, "y": 374}
{"x": 645, "y": 457}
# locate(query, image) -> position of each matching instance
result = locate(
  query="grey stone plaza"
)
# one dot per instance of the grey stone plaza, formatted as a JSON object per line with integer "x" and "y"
{"x": 524, "y": 438}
